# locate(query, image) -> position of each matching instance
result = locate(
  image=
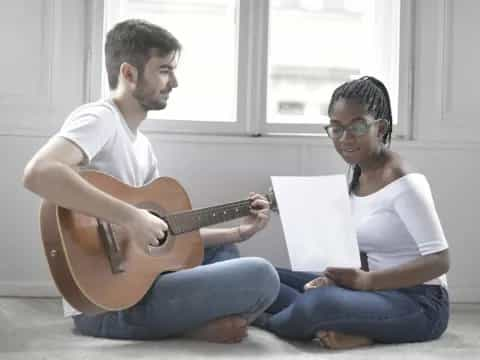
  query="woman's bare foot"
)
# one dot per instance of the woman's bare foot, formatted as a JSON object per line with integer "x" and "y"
{"x": 318, "y": 282}
{"x": 230, "y": 329}
{"x": 336, "y": 340}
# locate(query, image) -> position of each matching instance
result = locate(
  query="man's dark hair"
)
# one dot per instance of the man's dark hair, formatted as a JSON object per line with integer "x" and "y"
{"x": 373, "y": 94}
{"x": 134, "y": 42}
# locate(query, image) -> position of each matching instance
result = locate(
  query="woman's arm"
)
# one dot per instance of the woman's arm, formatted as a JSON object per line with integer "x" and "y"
{"x": 412, "y": 273}
{"x": 415, "y": 272}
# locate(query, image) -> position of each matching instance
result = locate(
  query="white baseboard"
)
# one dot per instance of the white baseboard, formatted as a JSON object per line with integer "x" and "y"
{"x": 28, "y": 289}
{"x": 464, "y": 295}
{"x": 48, "y": 289}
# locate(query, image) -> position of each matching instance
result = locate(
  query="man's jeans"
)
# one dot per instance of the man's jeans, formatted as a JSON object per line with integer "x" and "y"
{"x": 187, "y": 299}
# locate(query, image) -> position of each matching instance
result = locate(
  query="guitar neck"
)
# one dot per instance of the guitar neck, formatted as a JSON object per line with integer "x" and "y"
{"x": 186, "y": 221}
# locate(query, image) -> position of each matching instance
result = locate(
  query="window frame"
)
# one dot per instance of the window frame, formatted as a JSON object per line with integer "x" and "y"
{"x": 252, "y": 17}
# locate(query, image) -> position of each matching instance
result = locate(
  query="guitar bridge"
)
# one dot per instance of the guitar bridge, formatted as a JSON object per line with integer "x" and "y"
{"x": 111, "y": 247}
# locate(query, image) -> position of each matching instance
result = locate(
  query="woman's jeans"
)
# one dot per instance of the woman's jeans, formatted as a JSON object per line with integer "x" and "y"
{"x": 185, "y": 300}
{"x": 418, "y": 313}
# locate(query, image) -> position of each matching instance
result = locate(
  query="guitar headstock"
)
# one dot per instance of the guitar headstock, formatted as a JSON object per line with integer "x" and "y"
{"x": 270, "y": 195}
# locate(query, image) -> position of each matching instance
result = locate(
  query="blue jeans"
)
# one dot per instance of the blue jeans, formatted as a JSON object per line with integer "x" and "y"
{"x": 185, "y": 300}
{"x": 417, "y": 313}
{"x": 219, "y": 253}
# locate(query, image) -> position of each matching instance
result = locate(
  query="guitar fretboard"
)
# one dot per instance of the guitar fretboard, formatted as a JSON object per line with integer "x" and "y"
{"x": 187, "y": 221}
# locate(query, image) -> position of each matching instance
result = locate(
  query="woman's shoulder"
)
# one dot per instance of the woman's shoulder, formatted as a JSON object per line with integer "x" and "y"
{"x": 400, "y": 177}
{"x": 397, "y": 168}
{"x": 410, "y": 183}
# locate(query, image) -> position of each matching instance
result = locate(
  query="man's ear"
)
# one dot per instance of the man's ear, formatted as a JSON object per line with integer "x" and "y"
{"x": 130, "y": 74}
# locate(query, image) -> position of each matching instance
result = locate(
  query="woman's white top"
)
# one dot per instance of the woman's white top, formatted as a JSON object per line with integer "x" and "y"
{"x": 399, "y": 223}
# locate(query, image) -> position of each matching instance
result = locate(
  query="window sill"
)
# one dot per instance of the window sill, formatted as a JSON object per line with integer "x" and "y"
{"x": 318, "y": 140}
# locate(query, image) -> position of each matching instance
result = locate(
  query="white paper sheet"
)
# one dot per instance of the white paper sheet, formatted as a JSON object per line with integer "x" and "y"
{"x": 317, "y": 222}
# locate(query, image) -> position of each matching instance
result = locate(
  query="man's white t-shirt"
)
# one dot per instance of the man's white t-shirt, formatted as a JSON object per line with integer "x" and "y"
{"x": 399, "y": 223}
{"x": 110, "y": 146}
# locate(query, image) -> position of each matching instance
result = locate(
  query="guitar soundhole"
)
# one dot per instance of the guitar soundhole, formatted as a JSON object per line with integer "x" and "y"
{"x": 164, "y": 239}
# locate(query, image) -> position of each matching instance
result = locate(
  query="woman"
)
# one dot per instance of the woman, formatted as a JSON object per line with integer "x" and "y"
{"x": 402, "y": 297}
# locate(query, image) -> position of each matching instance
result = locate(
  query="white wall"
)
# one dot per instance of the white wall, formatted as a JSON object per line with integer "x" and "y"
{"x": 46, "y": 80}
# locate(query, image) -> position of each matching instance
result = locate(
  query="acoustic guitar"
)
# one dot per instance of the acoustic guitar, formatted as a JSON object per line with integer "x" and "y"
{"x": 94, "y": 264}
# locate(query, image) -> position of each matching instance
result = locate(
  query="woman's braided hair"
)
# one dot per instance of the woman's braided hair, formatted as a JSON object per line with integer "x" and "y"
{"x": 373, "y": 94}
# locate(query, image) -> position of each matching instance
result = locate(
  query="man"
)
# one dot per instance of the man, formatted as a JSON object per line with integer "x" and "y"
{"x": 213, "y": 302}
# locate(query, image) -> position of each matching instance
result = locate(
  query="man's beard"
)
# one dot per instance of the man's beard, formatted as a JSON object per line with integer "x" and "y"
{"x": 146, "y": 102}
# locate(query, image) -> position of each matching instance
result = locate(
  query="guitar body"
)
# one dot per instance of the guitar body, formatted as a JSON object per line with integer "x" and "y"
{"x": 95, "y": 265}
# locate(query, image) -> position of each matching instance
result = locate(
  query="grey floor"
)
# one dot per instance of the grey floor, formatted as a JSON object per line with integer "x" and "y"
{"x": 33, "y": 329}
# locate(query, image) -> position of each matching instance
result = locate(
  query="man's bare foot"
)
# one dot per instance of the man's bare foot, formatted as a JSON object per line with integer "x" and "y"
{"x": 230, "y": 329}
{"x": 318, "y": 282}
{"x": 336, "y": 340}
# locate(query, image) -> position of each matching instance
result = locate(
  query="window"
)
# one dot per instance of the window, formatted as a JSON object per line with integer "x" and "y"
{"x": 269, "y": 67}
{"x": 207, "y": 68}
{"x": 315, "y": 45}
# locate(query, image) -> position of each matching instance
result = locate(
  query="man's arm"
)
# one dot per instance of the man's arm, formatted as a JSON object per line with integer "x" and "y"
{"x": 216, "y": 236}
{"x": 51, "y": 174}
{"x": 256, "y": 221}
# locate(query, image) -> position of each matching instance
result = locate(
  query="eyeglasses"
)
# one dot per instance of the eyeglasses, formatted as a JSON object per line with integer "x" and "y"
{"x": 358, "y": 128}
